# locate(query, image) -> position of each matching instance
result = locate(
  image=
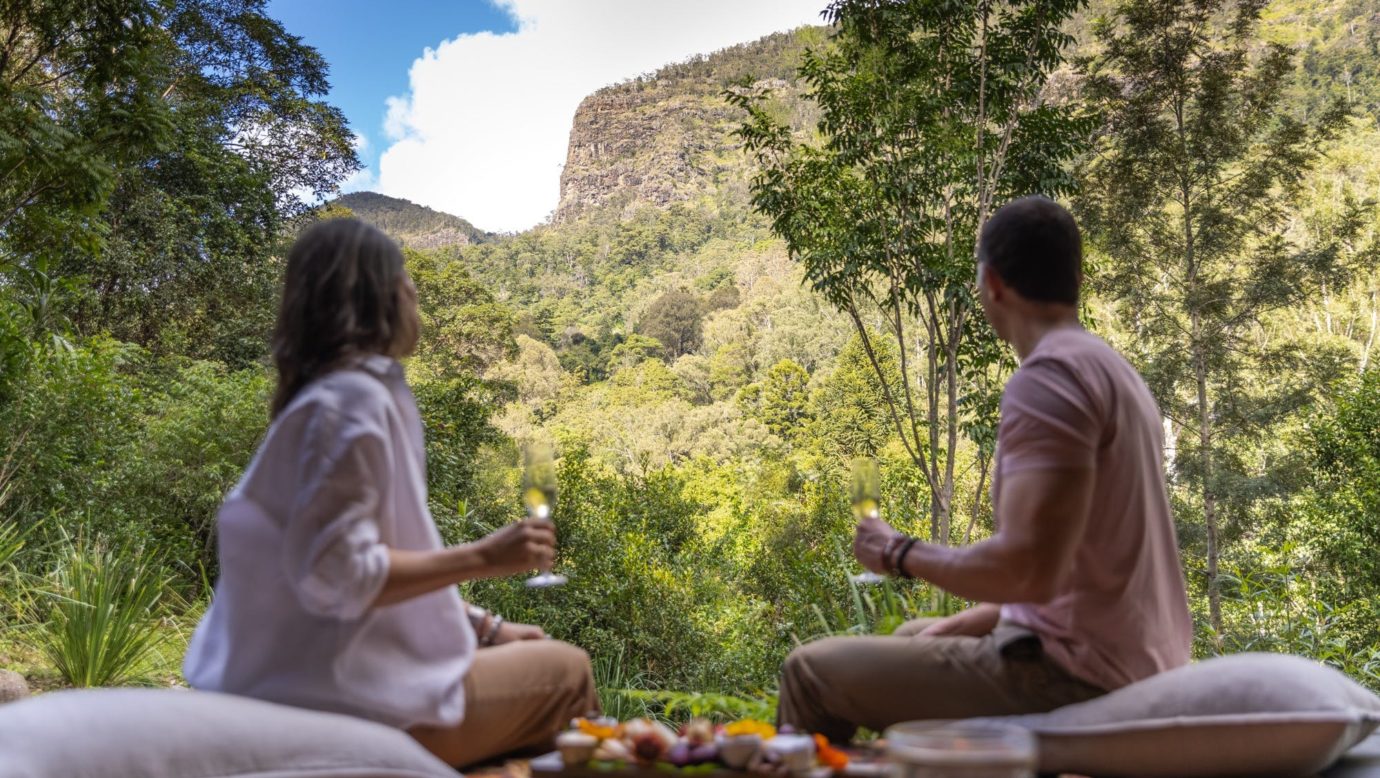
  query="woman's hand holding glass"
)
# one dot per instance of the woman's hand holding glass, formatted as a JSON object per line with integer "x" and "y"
{"x": 515, "y": 548}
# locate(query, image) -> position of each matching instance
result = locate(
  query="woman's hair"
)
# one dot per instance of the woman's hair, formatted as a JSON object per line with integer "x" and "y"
{"x": 342, "y": 298}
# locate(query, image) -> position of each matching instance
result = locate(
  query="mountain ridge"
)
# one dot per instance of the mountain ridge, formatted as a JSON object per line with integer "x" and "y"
{"x": 415, "y": 226}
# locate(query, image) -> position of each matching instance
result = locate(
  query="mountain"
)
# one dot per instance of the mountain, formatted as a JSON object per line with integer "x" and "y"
{"x": 415, "y": 226}
{"x": 668, "y": 137}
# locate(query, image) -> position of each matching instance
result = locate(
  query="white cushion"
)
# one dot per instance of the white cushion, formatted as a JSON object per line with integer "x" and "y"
{"x": 1239, "y": 715}
{"x": 158, "y": 733}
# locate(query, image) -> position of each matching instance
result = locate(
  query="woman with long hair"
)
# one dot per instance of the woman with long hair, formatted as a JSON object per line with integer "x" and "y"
{"x": 336, "y": 591}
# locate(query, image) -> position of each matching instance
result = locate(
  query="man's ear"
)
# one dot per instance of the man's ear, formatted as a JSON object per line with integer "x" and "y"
{"x": 996, "y": 287}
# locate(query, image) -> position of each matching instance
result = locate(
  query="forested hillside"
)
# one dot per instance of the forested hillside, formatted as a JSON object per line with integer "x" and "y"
{"x": 414, "y": 226}
{"x": 702, "y": 382}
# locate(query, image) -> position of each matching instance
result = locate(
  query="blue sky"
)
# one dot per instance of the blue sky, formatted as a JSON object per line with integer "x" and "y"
{"x": 370, "y": 46}
{"x": 466, "y": 105}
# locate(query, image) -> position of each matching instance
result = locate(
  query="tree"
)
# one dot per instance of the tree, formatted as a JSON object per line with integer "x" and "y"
{"x": 78, "y": 102}
{"x": 931, "y": 115}
{"x": 633, "y": 351}
{"x": 724, "y": 297}
{"x": 1191, "y": 210}
{"x": 850, "y": 406}
{"x": 464, "y": 330}
{"x": 676, "y": 319}
{"x": 782, "y": 400}
{"x": 1343, "y": 501}
{"x": 191, "y": 264}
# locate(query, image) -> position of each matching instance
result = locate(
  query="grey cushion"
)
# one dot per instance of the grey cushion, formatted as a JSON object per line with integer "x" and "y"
{"x": 1241, "y": 715}
{"x": 1362, "y": 761}
{"x": 153, "y": 733}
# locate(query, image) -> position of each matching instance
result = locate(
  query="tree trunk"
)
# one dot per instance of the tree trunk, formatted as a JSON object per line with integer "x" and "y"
{"x": 950, "y": 454}
{"x": 1370, "y": 340}
{"x": 1214, "y": 586}
{"x": 932, "y": 395}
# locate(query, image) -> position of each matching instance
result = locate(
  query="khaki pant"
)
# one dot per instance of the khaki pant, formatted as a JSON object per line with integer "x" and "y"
{"x": 833, "y": 686}
{"x": 518, "y": 697}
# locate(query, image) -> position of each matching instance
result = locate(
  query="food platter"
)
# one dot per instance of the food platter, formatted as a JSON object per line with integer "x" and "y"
{"x": 605, "y": 748}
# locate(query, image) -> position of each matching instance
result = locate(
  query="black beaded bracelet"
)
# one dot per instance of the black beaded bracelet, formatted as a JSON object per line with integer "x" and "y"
{"x": 900, "y": 566}
{"x": 893, "y": 550}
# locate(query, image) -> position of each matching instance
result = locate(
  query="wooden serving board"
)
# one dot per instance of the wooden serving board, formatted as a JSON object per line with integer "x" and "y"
{"x": 864, "y": 764}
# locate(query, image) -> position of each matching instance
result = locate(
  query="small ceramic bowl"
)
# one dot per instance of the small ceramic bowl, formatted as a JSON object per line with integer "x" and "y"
{"x": 795, "y": 752}
{"x": 576, "y": 748}
{"x": 737, "y": 750}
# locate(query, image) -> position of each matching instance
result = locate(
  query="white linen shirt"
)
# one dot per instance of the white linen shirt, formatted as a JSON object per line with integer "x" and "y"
{"x": 304, "y": 537}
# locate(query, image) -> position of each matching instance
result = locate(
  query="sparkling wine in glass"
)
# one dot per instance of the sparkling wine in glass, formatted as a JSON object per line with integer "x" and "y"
{"x": 866, "y": 494}
{"x": 539, "y": 497}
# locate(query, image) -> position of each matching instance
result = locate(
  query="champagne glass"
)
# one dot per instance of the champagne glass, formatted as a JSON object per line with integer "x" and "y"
{"x": 866, "y": 494}
{"x": 539, "y": 497}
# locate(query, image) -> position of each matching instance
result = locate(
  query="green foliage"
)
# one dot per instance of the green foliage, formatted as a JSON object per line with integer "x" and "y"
{"x": 675, "y": 319}
{"x": 930, "y": 118}
{"x": 634, "y": 350}
{"x": 782, "y": 400}
{"x": 1193, "y": 214}
{"x": 193, "y": 226}
{"x": 78, "y": 101}
{"x": 196, "y": 433}
{"x": 103, "y": 618}
{"x": 1276, "y": 609}
{"x": 720, "y": 708}
{"x": 455, "y": 412}
{"x": 161, "y": 444}
{"x": 464, "y": 330}
{"x": 1341, "y": 505}
{"x": 620, "y": 687}
{"x": 850, "y": 405}
{"x": 415, "y": 226}
{"x": 702, "y": 516}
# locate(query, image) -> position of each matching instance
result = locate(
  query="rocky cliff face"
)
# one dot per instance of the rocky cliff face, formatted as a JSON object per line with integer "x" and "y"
{"x": 667, "y": 137}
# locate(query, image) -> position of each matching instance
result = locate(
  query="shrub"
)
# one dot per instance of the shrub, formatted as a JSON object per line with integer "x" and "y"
{"x": 103, "y": 623}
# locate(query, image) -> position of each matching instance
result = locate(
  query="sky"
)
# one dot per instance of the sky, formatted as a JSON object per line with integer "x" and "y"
{"x": 465, "y": 105}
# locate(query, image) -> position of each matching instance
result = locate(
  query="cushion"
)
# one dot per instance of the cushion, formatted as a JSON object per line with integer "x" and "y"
{"x": 1239, "y": 715}
{"x": 153, "y": 733}
{"x": 1362, "y": 761}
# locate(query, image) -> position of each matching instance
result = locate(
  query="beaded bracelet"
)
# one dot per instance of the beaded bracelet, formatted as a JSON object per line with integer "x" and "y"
{"x": 892, "y": 547}
{"x": 891, "y": 544}
{"x": 900, "y": 566}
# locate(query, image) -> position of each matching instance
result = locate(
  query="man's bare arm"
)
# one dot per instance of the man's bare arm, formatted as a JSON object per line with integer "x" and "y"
{"x": 1041, "y": 516}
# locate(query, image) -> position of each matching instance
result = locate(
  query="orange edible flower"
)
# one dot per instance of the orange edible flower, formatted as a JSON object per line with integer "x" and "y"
{"x": 601, "y": 731}
{"x": 830, "y": 757}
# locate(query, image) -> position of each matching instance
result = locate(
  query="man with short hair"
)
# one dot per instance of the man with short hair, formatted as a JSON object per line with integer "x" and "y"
{"x": 1081, "y": 586}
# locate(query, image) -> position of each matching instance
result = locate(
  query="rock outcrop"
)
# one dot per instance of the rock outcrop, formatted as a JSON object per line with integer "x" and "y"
{"x": 668, "y": 137}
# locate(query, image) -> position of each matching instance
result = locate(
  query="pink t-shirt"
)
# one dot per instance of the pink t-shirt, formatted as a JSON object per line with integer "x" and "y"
{"x": 1121, "y": 612}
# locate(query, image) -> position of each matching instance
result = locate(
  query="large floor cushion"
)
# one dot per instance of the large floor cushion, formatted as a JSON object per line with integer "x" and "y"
{"x": 1240, "y": 715}
{"x": 158, "y": 733}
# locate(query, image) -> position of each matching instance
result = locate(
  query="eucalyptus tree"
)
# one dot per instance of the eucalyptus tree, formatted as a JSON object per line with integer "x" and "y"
{"x": 931, "y": 115}
{"x": 1189, "y": 201}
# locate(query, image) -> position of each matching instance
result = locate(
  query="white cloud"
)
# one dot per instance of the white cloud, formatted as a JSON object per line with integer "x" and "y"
{"x": 359, "y": 143}
{"x": 361, "y": 180}
{"x": 482, "y": 133}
